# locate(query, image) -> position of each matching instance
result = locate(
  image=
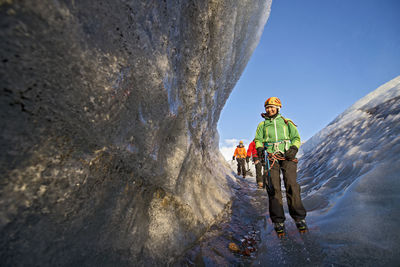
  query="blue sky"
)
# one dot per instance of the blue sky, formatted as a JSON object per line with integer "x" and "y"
{"x": 318, "y": 57}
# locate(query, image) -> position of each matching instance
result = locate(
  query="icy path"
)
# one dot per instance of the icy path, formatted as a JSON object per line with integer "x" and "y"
{"x": 249, "y": 214}
{"x": 321, "y": 246}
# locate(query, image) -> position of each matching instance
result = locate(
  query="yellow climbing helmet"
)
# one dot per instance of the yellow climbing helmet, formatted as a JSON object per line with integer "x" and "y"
{"x": 241, "y": 142}
{"x": 273, "y": 101}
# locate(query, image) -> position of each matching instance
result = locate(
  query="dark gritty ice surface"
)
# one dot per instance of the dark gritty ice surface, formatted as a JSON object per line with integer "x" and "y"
{"x": 326, "y": 244}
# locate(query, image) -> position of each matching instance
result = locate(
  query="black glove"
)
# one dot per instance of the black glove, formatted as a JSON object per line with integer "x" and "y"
{"x": 291, "y": 153}
{"x": 247, "y": 159}
{"x": 233, "y": 158}
{"x": 260, "y": 152}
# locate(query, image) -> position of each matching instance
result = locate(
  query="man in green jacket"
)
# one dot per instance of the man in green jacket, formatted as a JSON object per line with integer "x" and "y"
{"x": 281, "y": 140}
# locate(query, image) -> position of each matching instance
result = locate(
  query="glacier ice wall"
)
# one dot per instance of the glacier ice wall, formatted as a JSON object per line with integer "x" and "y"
{"x": 349, "y": 173}
{"x": 108, "y": 125}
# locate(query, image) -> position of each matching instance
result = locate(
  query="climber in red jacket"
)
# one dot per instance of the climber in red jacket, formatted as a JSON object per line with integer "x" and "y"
{"x": 252, "y": 152}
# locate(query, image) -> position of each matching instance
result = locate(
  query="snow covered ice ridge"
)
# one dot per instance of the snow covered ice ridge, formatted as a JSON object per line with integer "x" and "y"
{"x": 350, "y": 178}
{"x": 387, "y": 91}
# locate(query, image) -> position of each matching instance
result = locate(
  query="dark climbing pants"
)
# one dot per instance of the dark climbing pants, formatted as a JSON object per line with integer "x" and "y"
{"x": 295, "y": 205}
{"x": 259, "y": 172}
{"x": 241, "y": 166}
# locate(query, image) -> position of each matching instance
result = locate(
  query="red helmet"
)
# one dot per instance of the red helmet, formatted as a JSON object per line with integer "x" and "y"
{"x": 273, "y": 101}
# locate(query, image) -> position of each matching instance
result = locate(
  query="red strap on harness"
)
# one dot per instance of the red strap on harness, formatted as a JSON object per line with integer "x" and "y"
{"x": 277, "y": 156}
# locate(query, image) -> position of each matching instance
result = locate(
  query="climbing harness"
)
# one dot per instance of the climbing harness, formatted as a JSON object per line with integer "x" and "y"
{"x": 273, "y": 157}
{"x": 276, "y": 145}
{"x": 278, "y": 154}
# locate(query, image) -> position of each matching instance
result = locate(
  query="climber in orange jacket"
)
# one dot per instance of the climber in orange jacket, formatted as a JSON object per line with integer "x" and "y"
{"x": 240, "y": 155}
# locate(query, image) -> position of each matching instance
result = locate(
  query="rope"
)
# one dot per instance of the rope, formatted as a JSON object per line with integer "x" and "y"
{"x": 276, "y": 157}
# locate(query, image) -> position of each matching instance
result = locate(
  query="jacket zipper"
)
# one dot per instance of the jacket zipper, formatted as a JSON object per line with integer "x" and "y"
{"x": 276, "y": 133}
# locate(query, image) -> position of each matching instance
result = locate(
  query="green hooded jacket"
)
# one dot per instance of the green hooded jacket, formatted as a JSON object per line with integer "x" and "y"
{"x": 277, "y": 134}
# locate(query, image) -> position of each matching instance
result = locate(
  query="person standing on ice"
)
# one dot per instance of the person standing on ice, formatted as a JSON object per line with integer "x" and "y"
{"x": 279, "y": 138}
{"x": 252, "y": 152}
{"x": 240, "y": 155}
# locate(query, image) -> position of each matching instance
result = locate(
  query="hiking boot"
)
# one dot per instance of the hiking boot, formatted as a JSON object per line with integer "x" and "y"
{"x": 301, "y": 225}
{"x": 279, "y": 228}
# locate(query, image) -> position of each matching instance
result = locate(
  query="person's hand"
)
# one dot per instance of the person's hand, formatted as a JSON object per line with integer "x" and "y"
{"x": 260, "y": 151}
{"x": 291, "y": 153}
{"x": 247, "y": 159}
{"x": 233, "y": 158}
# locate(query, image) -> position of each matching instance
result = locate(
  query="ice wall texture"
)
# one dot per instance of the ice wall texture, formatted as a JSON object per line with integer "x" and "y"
{"x": 350, "y": 173}
{"x": 108, "y": 125}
